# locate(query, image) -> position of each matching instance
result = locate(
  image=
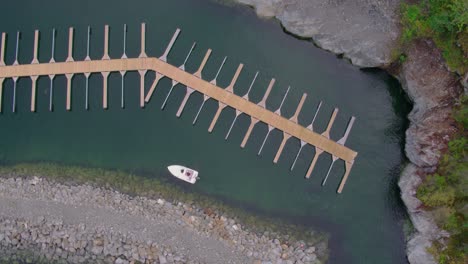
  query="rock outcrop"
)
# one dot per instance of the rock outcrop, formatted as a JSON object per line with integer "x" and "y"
{"x": 434, "y": 91}
{"x": 363, "y": 31}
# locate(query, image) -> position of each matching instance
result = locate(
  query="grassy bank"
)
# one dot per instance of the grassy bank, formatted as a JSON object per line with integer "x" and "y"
{"x": 443, "y": 21}
{"x": 445, "y": 193}
{"x": 133, "y": 184}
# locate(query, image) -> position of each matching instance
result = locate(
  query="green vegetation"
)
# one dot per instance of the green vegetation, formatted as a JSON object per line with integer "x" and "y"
{"x": 445, "y": 22}
{"x": 446, "y": 193}
{"x": 153, "y": 188}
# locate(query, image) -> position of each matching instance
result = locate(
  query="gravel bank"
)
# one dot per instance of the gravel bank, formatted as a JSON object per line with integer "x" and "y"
{"x": 84, "y": 223}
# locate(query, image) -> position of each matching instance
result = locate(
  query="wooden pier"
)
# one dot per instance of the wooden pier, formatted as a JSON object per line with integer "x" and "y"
{"x": 225, "y": 96}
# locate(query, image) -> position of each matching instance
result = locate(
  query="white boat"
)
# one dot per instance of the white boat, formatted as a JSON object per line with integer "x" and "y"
{"x": 184, "y": 173}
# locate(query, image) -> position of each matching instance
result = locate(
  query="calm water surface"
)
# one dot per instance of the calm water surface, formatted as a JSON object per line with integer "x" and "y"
{"x": 365, "y": 221}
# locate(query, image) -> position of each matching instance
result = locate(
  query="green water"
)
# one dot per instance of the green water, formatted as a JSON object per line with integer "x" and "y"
{"x": 365, "y": 221}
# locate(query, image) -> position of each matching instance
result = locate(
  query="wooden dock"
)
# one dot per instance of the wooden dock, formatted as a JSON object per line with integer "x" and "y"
{"x": 225, "y": 96}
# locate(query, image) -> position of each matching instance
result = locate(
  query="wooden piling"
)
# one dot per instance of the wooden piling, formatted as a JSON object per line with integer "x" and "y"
{"x": 105, "y": 77}
{"x": 36, "y": 46}
{"x": 106, "y": 43}
{"x": 70, "y": 45}
{"x": 33, "y": 93}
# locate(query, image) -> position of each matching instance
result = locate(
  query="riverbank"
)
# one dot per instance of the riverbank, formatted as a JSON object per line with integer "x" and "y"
{"x": 367, "y": 32}
{"x": 80, "y": 222}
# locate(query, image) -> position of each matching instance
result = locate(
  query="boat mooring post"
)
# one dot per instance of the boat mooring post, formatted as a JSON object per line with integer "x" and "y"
{"x": 163, "y": 57}
{"x": 174, "y": 82}
{"x": 302, "y": 141}
{"x": 342, "y": 141}
{"x": 190, "y": 90}
{"x": 246, "y": 97}
{"x": 205, "y": 97}
{"x": 270, "y": 128}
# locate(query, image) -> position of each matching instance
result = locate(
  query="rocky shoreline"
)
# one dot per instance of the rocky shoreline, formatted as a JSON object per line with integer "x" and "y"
{"x": 365, "y": 32}
{"x": 82, "y": 223}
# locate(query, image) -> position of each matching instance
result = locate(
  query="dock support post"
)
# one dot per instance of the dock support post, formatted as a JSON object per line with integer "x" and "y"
{"x": 143, "y": 41}
{"x": 69, "y": 82}
{"x": 142, "y": 87}
{"x": 253, "y": 122}
{"x": 36, "y": 45}
{"x": 106, "y": 43}
{"x": 1, "y": 93}
{"x": 105, "y": 76}
{"x": 70, "y": 45}
{"x": 33, "y": 93}
{"x": 2, "y": 51}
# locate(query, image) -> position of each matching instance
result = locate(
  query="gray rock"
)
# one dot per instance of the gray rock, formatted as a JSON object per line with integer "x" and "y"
{"x": 364, "y": 31}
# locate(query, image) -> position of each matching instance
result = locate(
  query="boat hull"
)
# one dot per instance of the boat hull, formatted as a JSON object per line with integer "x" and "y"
{"x": 183, "y": 173}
